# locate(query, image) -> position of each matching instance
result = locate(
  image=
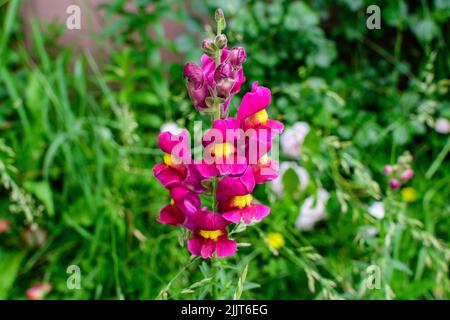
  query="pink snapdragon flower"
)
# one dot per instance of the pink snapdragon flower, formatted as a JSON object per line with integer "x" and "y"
{"x": 210, "y": 236}
{"x": 265, "y": 169}
{"x": 177, "y": 166}
{"x": 236, "y": 202}
{"x": 252, "y": 111}
{"x": 223, "y": 150}
{"x": 183, "y": 205}
{"x": 255, "y": 121}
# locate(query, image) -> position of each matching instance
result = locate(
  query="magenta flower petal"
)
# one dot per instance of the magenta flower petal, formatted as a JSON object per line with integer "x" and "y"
{"x": 194, "y": 245}
{"x": 176, "y": 144}
{"x": 234, "y": 216}
{"x": 207, "y": 220}
{"x": 207, "y": 170}
{"x": 223, "y": 130}
{"x": 194, "y": 178}
{"x": 208, "y": 66}
{"x": 254, "y": 101}
{"x": 260, "y": 211}
{"x": 259, "y": 144}
{"x": 171, "y": 215}
{"x": 236, "y": 186}
{"x": 265, "y": 172}
{"x": 185, "y": 199}
{"x": 231, "y": 168}
{"x": 213, "y": 221}
{"x": 240, "y": 79}
{"x": 225, "y": 247}
{"x": 208, "y": 248}
{"x": 167, "y": 175}
{"x": 275, "y": 125}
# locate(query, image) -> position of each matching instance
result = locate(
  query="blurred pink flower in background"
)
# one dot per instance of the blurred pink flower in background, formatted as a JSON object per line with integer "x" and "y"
{"x": 39, "y": 291}
{"x": 4, "y": 225}
{"x": 442, "y": 126}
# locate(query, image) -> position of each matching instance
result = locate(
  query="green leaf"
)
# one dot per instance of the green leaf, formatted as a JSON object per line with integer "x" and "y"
{"x": 43, "y": 192}
{"x": 425, "y": 30}
{"x": 401, "y": 135}
{"x": 10, "y": 263}
{"x": 240, "y": 284}
{"x": 300, "y": 16}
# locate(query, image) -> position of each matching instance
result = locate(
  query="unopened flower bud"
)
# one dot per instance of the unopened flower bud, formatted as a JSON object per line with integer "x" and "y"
{"x": 219, "y": 15}
{"x": 388, "y": 170}
{"x": 224, "y": 87}
{"x": 394, "y": 184}
{"x": 196, "y": 84}
{"x": 220, "y": 19}
{"x": 221, "y": 41}
{"x": 194, "y": 74}
{"x": 407, "y": 174}
{"x": 224, "y": 70}
{"x": 209, "y": 48}
{"x": 237, "y": 57}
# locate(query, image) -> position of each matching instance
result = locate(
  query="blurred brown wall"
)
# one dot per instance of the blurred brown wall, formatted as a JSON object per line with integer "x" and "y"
{"x": 92, "y": 22}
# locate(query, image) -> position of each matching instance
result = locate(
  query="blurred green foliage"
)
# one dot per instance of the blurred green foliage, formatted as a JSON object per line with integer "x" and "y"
{"x": 78, "y": 140}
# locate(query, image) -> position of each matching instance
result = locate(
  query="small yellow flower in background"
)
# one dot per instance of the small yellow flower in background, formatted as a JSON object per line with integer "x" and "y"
{"x": 275, "y": 240}
{"x": 409, "y": 194}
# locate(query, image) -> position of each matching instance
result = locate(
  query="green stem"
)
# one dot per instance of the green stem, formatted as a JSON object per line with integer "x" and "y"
{"x": 215, "y": 116}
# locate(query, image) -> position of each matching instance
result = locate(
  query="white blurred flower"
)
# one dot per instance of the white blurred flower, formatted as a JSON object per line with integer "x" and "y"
{"x": 302, "y": 174}
{"x": 442, "y": 125}
{"x": 312, "y": 210}
{"x": 292, "y": 139}
{"x": 371, "y": 231}
{"x": 377, "y": 210}
{"x": 172, "y": 127}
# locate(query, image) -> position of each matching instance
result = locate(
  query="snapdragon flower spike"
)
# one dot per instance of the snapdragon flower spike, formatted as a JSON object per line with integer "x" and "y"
{"x": 210, "y": 236}
{"x": 224, "y": 154}
{"x": 236, "y": 202}
{"x": 235, "y": 152}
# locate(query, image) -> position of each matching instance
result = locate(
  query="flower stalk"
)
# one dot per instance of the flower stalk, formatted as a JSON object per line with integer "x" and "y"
{"x": 235, "y": 158}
